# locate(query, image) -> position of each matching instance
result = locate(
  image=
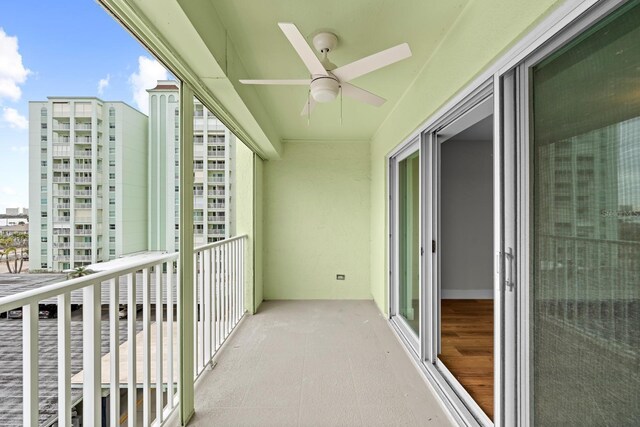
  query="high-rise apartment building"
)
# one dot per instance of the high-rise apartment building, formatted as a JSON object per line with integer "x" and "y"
{"x": 81, "y": 152}
{"x": 214, "y": 148}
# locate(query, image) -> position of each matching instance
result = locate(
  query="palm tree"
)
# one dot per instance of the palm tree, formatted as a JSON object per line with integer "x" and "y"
{"x": 78, "y": 272}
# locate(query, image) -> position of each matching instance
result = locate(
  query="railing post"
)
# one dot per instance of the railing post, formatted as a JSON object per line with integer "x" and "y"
{"x": 186, "y": 255}
{"x": 64, "y": 360}
{"x": 91, "y": 312}
{"x": 30, "y": 364}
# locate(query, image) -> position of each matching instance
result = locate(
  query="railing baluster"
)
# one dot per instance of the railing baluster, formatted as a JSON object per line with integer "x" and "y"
{"x": 227, "y": 283}
{"x": 114, "y": 348}
{"x": 91, "y": 341}
{"x": 132, "y": 384}
{"x": 201, "y": 306}
{"x": 217, "y": 296}
{"x": 159, "y": 341}
{"x": 179, "y": 328}
{"x": 234, "y": 287}
{"x": 196, "y": 342}
{"x": 206, "y": 259}
{"x": 30, "y": 408}
{"x": 242, "y": 277}
{"x": 146, "y": 348}
{"x": 170, "y": 334}
{"x": 64, "y": 360}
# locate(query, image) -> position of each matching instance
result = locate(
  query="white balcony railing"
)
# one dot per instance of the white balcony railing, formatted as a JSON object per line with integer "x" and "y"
{"x": 148, "y": 358}
{"x": 219, "y": 296}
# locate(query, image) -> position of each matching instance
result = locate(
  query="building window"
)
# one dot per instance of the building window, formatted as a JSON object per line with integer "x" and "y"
{"x": 43, "y": 125}
{"x": 43, "y": 239}
{"x": 43, "y": 163}
{"x": 43, "y": 214}
{"x": 112, "y": 226}
{"x": 43, "y": 265}
{"x": 112, "y": 175}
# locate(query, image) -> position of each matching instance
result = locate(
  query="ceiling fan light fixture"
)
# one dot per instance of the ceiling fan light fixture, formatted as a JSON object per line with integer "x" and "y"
{"x": 324, "y": 88}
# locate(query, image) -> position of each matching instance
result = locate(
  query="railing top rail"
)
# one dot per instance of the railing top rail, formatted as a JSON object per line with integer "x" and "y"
{"x": 34, "y": 295}
{"x": 219, "y": 243}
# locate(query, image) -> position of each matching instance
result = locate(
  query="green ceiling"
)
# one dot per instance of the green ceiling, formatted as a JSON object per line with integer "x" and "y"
{"x": 363, "y": 27}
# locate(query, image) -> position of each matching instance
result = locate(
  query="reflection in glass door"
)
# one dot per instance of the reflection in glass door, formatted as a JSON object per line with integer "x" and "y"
{"x": 586, "y": 228}
{"x": 409, "y": 240}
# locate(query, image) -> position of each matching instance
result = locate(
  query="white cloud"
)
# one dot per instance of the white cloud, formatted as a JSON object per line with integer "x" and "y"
{"x": 148, "y": 74}
{"x": 14, "y": 118}
{"x": 12, "y": 72}
{"x": 9, "y": 191}
{"x": 103, "y": 83}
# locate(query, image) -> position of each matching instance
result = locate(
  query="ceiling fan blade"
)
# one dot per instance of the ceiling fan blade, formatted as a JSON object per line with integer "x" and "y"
{"x": 299, "y": 82}
{"x": 372, "y": 62}
{"x": 308, "y": 106}
{"x": 302, "y": 48}
{"x": 362, "y": 95}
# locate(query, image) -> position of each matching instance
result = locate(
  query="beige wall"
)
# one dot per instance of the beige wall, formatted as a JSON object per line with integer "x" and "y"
{"x": 316, "y": 216}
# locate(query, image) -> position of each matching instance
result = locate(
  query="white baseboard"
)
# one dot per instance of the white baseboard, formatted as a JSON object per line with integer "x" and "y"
{"x": 467, "y": 294}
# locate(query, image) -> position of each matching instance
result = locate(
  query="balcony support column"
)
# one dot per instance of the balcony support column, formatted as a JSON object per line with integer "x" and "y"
{"x": 186, "y": 265}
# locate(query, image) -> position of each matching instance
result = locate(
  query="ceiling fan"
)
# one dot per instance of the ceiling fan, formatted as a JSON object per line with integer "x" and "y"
{"x": 326, "y": 79}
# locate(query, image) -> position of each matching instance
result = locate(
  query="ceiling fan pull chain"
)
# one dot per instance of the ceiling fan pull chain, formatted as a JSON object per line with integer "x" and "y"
{"x": 309, "y": 107}
{"x": 340, "y": 105}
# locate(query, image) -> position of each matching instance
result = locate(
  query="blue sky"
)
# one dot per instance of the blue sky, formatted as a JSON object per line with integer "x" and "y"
{"x": 66, "y": 48}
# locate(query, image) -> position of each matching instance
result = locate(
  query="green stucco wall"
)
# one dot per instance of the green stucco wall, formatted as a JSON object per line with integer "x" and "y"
{"x": 484, "y": 30}
{"x": 316, "y": 210}
{"x": 243, "y": 179}
{"x": 258, "y": 233}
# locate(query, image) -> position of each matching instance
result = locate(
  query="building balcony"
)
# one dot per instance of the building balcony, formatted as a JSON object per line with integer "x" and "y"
{"x": 82, "y": 232}
{"x": 83, "y": 153}
{"x": 83, "y": 180}
{"x": 82, "y": 245}
{"x": 83, "y": 192}
{"x": 83, "y": 127}
{"x": 217, "y": 218}
{"x": 61, "y": 258}
{"x": 61, "y": 126}
{"x": 61, "y": 193}
{"x": 61, "y": 179}
{"x": 62, "y": 245}
{"x": 61, "y": 167}
{"x": 61, "y": 219}
{"x": 61, "y": 231}
{"x": 82, "y": 257}
{"x": 83, "y": 205}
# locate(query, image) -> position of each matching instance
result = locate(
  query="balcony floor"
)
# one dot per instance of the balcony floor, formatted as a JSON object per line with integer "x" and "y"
{"x": 315, "y": 363}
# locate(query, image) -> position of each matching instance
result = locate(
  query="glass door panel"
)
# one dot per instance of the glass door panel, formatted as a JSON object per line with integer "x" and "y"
{"x": 409, "y": 240}
{"x": 586, "y": 228}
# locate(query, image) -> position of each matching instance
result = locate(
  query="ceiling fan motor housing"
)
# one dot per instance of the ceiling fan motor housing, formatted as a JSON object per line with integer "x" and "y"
{"x": 325, "y": 42}
{"x": 324, "y": 88}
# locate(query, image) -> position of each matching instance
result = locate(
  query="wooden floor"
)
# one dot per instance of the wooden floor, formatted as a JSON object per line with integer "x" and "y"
{"x": 467, "y": 347}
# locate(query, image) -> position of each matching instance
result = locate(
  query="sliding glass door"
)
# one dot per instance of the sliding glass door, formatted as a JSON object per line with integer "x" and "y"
{"x": 582, "y": 96}
{"x": 406, "y": 187}
{"x": 409, "y": 245}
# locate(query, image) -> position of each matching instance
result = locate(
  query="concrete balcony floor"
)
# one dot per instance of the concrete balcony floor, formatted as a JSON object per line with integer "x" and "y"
{"x": 315, "y": 363}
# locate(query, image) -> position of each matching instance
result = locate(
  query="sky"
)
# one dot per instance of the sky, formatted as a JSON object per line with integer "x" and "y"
{"x": 47, "y": 51}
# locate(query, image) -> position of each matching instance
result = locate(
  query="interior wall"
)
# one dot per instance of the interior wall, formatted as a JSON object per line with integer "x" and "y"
{"x": 483, "y": 31}
{"x": 466, "y": 198}
{"x": 316, "y": 219}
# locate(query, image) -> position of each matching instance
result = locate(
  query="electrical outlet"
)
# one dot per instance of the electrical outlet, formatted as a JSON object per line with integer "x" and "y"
{"x": 340, "y": 276}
